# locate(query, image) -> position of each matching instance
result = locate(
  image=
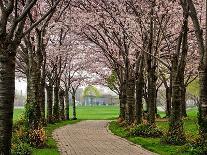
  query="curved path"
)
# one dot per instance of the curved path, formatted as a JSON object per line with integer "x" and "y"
{"x": 92, "y": 138}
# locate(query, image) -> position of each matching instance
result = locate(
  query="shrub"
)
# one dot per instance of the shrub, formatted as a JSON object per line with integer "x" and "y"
{"x": 145, "y": 130}
{"x": 20, "y": 139}
{"x": 37, "y": 137}
{"x": 173, "y": 140}
{"x": 21, "y": 149}
{"x": 193, "y": 149}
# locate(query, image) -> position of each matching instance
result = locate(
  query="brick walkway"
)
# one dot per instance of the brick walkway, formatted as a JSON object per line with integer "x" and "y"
{"x": 92, "y": 138}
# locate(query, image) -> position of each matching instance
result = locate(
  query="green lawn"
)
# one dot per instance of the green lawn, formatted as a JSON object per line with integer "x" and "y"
{"x": 97, "y": 112}
{"x": 17, "y": 114}
{"x": 87, "y": 112}
{"x": 153, "y": 144}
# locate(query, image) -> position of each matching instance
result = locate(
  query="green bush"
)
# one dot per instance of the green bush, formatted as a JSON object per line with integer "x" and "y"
{"x": 20, "y": 139}
{"x": 145, "y": 130}
{"x": 21, "y": 149}
{"x": 173, "y": 139}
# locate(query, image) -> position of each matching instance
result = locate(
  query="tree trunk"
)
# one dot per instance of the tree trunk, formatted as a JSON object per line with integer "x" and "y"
{"x": 176, "y": 131}
{"x": 42, "y": 98}
{"x": 130, "y": 103}
{"x": 56, "y": 103}
{"x": 202, "y": 116}
{"x": 33, "y": 109}
{"x": 139, "y": 95}
{"x": 168, "y": 101}
{"x": 67, "y": 104}
{"x": 183, "y": 98}
{"x": 7, "y": 89}
{"x": 151, "y": 95}
{"x": 122, "y": 100}
{"x": 49, "y": 102}
{"x": 61, "y": 96}
{"x": 74, "y": 107}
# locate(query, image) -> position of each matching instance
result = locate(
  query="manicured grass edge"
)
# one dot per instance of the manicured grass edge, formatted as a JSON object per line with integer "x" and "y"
{"x": 165, "y": 149}
{"x": 51, "y": 144}
{"x": 126, "y": 139}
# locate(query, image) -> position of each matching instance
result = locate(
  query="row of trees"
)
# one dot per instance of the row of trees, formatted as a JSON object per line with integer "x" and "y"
{"x": 149, "y": 44}
{"x": 143, "y": 43}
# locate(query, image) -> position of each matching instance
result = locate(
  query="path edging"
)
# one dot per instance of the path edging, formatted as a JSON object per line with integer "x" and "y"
{"x": 124, "y": 139}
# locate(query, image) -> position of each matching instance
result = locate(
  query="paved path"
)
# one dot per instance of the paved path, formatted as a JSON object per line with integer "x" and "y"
{"x": 92, "y": 138}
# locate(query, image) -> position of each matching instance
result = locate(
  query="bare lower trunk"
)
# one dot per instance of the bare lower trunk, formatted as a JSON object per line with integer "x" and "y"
{"x": 139, "y": 95}
{"x": 183, "y": 97}
{"x": 130, "y": 103}
{"x": 33, "y": 109}
{"x": 61, "y": 96}
{"x": 202, "y": 116}
{"x": 151, "y": 96}
{"x": 49, "y": 102}
{"x": 7, "y": 87}
{"x": 176, "y": 130}
{"x": 168, "y": 102}
{"x": 122, "y": 100}
{"x": 42, "y": 99}
{"x": 67, "y": 104}
{"x": 56, "y": 110}
{"x": 74, "y": 107}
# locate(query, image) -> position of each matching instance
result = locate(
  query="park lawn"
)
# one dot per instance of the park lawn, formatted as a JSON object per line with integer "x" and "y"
{"x": 97, "y": 112}
{"x": 153, "y": 144}
{"x": 86, "y": 112}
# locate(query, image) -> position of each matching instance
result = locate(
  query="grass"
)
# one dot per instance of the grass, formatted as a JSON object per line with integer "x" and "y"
{"x": 153, "y": 144}
{"x": 87, "y": 112}
{"x": 51, "y": 148}
{"x": 17, "y": 114}
{"x": 97, "y": 112}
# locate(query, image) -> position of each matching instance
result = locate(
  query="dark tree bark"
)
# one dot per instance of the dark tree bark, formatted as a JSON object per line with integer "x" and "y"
{"x": 122, "y": 100}
{"x": 7, "y": 85}
{"x": 74, "y": 106}
{"x": 176, "y": 125}
{"x": 183, "y": 97}
{"x": 33, "y": 107}
{"x": 130, "y": 100}
{"x": 151, "y": 95}
{"x": 139, "y": 91}
{"x": 168, "y": 101}
{"x": 67, "y": 104}
{"x": 42, "y": 95}
{"x": 62, "y": 106}
{"x": 49, "y": 89}
{"x": 56, "y": 109}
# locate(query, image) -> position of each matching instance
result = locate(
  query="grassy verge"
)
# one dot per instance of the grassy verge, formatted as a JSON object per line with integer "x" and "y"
{"x": 153, "y": 144}
{"x": 51, "y": 148}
